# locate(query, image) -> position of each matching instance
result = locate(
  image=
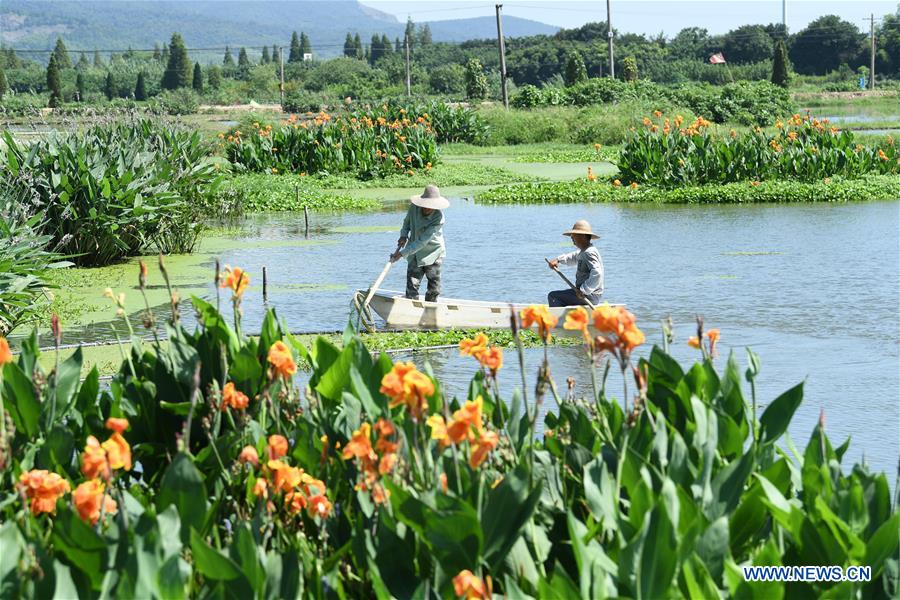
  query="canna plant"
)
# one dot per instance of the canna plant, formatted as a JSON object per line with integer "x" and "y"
{"x": 322, "y": 144}
{"x": 671, "y": 153}
{"x": 115, "y": 189}
{"x": 202, "y": 470}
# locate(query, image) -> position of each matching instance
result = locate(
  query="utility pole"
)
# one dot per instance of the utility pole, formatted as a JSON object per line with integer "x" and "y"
{"x": 502, "y": 45}
{"x": 408, "y": 86}
{"x": 609, "y": 35}
{"x": 281, "y": 59}
{"x": 784, "y": 15}
{"x": 872, "y": 57}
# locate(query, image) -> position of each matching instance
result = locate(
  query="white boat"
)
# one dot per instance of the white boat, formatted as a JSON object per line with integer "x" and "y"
{"x": 398, "y": 311}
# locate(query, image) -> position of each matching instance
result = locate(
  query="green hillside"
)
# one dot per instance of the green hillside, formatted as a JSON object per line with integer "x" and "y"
{"x": 117, "y": 25}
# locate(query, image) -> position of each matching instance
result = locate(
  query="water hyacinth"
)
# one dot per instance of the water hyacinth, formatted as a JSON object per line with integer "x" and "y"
{"x": 375, "y": 480}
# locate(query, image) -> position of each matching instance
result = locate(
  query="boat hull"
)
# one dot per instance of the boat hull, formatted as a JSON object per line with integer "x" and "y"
{"x": 398, "y": 311}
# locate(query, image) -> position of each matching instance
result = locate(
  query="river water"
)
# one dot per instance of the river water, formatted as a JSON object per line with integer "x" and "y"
{"x": 813, "y": 289}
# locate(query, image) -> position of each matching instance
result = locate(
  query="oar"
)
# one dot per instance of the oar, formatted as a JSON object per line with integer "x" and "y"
{"x": 568, "y": 281}
{"x": 378, "y": 281}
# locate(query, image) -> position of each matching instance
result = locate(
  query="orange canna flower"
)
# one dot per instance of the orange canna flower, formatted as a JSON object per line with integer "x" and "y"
{"x": 486, "y": 442}
{"x": 443, "y": 479}
{"x": 492, "y": 359}
{"x": 249, "y": 455}
{"x": 261, "y": 488}
{"x": 657, "y": 114}
{"x": 633, "y": 185}
{"x": 89, "y": 497}
{"x": 117, "y": 425}
{"x": 278, "y": 446}
{"x": 632, "y": 338}
{"x": 577, "y": 320}
{"x": 118, "y": 452}
{"x": 234, "y": 398}
{"x": 590, "y": 175}
{"x": 93, "y": 460}
{"x": 282, "y": 360}
{"x": 319, "y": 506}
{"x": 713, "y": 335}
{"x": 539, "y": 314}
{"x": 360, "y": 444}
{"x": 474, "y": 346}
{"x": 617, "y": 183}
{"x": 468, "y": 586}
{"x": 438, "y": 429}
{"x": 5, "y": 354}
{"x": 43, "y": 488}
{"x": 405, "y": 384}
{"x": 694, "y": 342}
{"x": 286, "y": 477}
{"x": 236, "y": 279}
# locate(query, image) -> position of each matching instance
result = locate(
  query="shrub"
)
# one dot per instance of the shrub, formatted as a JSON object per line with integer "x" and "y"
{"x": 115, "y": 189}
{"x": 375, "y": 481}
{"x": 672, "y": 153}
{"x": 183, "y": 101}
{"x": 370, "y": 146}
{"x": 476, "y": 81}
{"x": 24, "y": 260}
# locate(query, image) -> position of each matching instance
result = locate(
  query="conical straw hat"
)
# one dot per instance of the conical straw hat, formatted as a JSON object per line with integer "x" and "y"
{"x": 581, "y": 227}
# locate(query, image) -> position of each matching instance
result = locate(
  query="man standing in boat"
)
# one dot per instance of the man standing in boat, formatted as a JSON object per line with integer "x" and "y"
{"x": 589, "y": 269}
{"x": 422, "y": 243}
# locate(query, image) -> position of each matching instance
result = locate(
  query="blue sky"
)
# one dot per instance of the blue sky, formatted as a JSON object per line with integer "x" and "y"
{"x": 644, "y": 16}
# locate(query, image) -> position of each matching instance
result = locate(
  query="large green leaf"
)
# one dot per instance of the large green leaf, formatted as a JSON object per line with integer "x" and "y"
{"x": 451, "y": 529}
{"x": 81, "y": 546}
{"x": 67, "y": 382}
{"x": 659, "y": 556}
{"x": 210, "y": 562}
{"x": 883, "y": 544}
{"x": 695, "y": 581}
{"x": 507, "y": 509}
{"x": 600, "y": 493}
{"x": 778, "y": 415}
{"x": 19, "y": 400}
{"x": 182, "y": 486}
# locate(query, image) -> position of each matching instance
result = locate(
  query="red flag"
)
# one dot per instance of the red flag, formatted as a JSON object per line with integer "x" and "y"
{"x": 717, "y": 59}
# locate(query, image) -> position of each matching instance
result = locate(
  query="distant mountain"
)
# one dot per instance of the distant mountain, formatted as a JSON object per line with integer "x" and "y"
{"x": 118, "y": 24}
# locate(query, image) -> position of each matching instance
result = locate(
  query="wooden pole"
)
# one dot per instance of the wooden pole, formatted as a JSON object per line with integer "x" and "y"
{"x": 408, "y": 82}
{"x": 502, "y": 45}
{"x": 306, "y": 219}
{"x": 265, "y": 287}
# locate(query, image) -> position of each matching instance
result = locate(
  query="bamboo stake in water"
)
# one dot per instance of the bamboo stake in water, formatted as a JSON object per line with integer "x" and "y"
{"x": 265, "y": 286}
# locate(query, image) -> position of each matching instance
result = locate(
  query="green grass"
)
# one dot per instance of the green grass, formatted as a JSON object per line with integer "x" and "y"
{"x": 880, "y": 187}
{"x": 261, "y": 192}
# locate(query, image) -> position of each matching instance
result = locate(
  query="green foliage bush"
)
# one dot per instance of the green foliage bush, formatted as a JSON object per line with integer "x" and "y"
{"x": 24, "y": 259}
{"x": 876, "y": 187}
{"x": 344, "y": 486}
{"x": 670, "y": 154}
{"x": 115, "y": 190}
{"x": 366, "y": 143}
{"x": 745, "y": 102}
{"x": 183, "y": 101}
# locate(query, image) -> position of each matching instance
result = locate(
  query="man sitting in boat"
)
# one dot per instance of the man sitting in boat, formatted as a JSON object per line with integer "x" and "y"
{"x": 422, "y": 243}
{"x": 589, "y": 270}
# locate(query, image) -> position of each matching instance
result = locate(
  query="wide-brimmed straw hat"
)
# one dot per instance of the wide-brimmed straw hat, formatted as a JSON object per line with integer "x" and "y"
{"x": 581, "y": 227}
{"x": 431, "y": 198}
